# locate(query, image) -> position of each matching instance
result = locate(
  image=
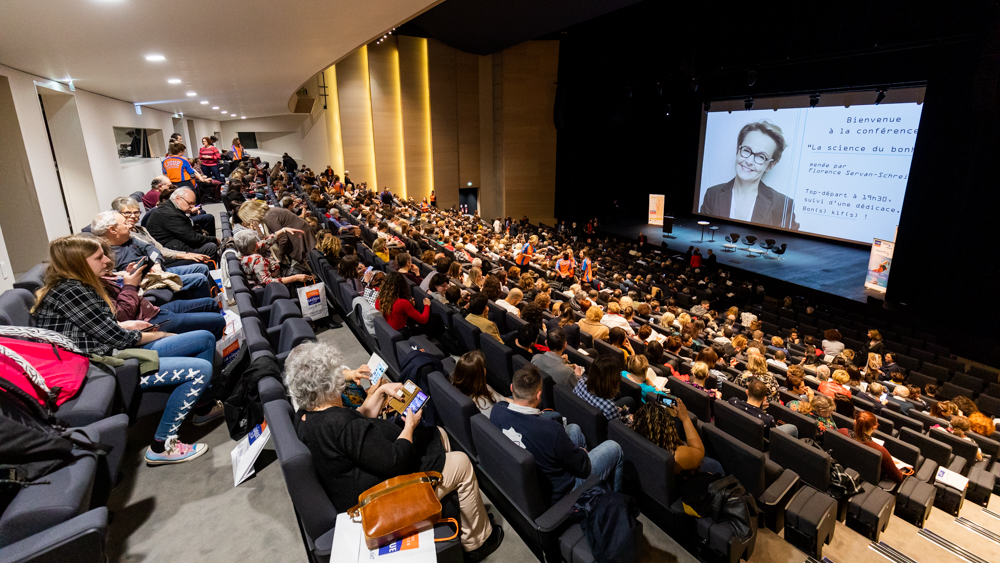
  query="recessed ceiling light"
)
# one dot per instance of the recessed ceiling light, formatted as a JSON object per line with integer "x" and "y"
{"x": 243, "y": 117}
{"x": 204, "y": 102}
{"x": 174, "y": 81}
{"x": 215, "y": 107}
{"x": 192, "y": 94}
{"x": 155, "y": 58}
{"x": 224, "y": 111}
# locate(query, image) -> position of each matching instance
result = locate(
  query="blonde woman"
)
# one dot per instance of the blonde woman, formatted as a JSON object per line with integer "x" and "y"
{"x": 294, "y": 244}
{"x": 837, "y": 384}
{"x": 757, "y": 369}
{"x": 592, "y": 324}
{"x": 74, "y": 303}
{"x": 380, "y": 249}
{"x": 474, "y": 279}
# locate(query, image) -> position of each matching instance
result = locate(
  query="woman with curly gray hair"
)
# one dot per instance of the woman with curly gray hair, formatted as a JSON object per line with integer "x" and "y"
{"x": 354, "y": 450}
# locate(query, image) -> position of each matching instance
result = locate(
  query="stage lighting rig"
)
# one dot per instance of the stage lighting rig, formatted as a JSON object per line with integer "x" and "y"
{"x": 880, "y": 97}
{"x": 748, "y": 104}
{"x": 814, "y": 100}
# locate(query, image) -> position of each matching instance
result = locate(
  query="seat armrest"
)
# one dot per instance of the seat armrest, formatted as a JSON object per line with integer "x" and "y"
{"x": 780, "y": 487}
{"x": 128, "y": 382}
{"x": 926, "y": 471}
{"x": 77, "y": 539}
{"x": 560, "y": 511}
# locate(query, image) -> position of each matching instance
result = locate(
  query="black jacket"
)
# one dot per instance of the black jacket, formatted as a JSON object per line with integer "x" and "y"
{"x": 771, "y": 208}
{"x": 173, "y": 229}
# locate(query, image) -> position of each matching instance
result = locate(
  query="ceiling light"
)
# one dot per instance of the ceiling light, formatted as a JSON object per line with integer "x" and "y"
{"x": 215, "y": 107}
{"x": 192, "y": 94}
{"x": 243, "y": 117}
{"x": 224, "y": 111}
{"x": 204, "y": 102}
{"x": 155, "y": 58}
{"x": 174, "y": 81}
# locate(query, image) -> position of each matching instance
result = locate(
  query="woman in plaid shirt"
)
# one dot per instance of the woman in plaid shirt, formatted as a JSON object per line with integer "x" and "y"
{"x": 73, "y": 302}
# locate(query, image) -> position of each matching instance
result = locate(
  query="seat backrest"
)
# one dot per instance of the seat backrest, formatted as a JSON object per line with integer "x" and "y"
{"x": 698, "y": 402}
{"x": 939, "y": 373}
{"x": 900, "y": 449}
{"x": 315, "y": 510}
{"x": 929, "y": 447}
{"x": 275, "y": 291}
{"x": 785, "y": 415}
{"x": 579, "y": 359}
{"x": 586, "y": 339}
{"x": 387, "y": 338}
{"x": 499, "y": 364}
{"x": 748, "y": 429}
{"x": 738, "y": 459}
{"x": 854, "y": 455}
{"x": 651, "y": 466}
{"x": 455, "y": 411}
{"x": 629, "y": 388}
{"x": 605, "y": 349}
{"x": 959, "y": 447}
{"x": 514, "y": 322}
{"x": 498, "y": 315}
{"x": 511, "y": 467}
{"x": 577, "y": 411}
{"x": 15, "y": 307}
{"x": 950, "y": 390}
{"x": 33, "y": 279}
{"x": 969, "y": 382}
{"x": 281, "y": 310}
{"x": 730, "y": 389}
{"x": 468, "y": 333}
{"x": 811, "y": 464}
{"x": 440, "y": 309}
{"x": 901, "y": 421}
{"x": 926, "y": 419}
{"x": 989, "y": 405}
{"x": 293, "y": 331}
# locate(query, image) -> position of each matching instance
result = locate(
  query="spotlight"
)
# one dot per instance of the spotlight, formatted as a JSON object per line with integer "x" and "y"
{"x": 814, "y": 100}
{"x": 708, "y": 106}
{"x": 880, "y": 97}
{"x": 748, "y": 104}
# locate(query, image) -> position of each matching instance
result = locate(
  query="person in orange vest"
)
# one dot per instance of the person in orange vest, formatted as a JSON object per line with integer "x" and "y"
{"x": 527, "y": 251}
{"x": 565, "y": 267}
{"x": 178, "y": 169}
{"x": 237, "y": 150}
{"x": 424, "y": 207}
{"x": 434, "y": 199}
{"x": 585, "y": 266}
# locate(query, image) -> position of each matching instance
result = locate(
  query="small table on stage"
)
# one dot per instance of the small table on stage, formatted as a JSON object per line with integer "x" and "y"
{"x": 703, "y": 225}
{"x": 713, "y": 228}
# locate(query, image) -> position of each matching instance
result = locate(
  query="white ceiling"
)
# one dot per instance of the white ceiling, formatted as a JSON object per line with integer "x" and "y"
{"x": 244, "y": 56}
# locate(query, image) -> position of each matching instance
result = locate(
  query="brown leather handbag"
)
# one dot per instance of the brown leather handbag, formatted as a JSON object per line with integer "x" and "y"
{"x": 398, "y": 507}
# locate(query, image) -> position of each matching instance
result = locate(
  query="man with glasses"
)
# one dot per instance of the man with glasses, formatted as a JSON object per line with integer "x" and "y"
{"x": 170, "y": 225}
{"x": 746, "y": 198}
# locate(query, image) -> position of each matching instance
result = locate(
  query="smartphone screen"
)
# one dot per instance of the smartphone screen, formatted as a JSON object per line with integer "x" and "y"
{"x": 667, "y": 400}
{"x": 418, "y": 401}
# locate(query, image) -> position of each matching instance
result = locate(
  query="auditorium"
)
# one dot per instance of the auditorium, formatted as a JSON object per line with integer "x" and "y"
{"x": 464, "y": 280}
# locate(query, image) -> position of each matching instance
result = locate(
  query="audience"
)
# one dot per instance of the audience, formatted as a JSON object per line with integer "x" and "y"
{"x": 555, "y": 363}
{"x": 756, "y": 405}
{"x": 600, "y": 388}
{"x": 469, "y": 377}
{"x": 658, "y": 424}
{"x": 864, "y": 426}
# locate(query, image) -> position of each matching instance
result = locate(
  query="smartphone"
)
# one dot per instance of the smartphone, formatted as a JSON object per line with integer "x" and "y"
{"x": 142, "y": 262}
{"x": 417, "y": 403}
{"x": 156, "y": 327}
{"x": 668, "y": 400}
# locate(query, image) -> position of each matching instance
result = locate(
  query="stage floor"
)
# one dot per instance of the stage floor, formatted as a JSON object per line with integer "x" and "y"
{"x": 832, "y": 267}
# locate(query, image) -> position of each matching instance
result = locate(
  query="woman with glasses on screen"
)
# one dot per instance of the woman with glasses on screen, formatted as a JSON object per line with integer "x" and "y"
{"x": 745, "y": 198}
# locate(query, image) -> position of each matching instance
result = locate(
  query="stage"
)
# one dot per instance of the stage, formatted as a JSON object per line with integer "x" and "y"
{"x": 833, "y": 267}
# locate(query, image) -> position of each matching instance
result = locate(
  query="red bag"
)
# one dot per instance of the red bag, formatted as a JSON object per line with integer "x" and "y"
{"x": 50, "y": 374}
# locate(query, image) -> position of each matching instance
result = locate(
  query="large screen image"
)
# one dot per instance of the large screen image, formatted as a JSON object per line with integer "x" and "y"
{"x": 838, "y": 172}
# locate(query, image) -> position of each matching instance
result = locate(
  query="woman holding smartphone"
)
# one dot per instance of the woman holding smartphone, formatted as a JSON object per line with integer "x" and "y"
{"x": 75, "y": 303}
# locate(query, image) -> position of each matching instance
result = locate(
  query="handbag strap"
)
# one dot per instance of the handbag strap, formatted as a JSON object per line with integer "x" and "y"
{"x": 448, "y": 521}
{"x": 431, "y": 477}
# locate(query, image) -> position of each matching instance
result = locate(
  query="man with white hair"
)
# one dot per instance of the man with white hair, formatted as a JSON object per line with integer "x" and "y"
{"x": 171, "y": 225}
{"x": 112, "y": 227}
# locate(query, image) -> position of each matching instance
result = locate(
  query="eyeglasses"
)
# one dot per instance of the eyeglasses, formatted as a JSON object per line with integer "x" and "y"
{"x": 192, "y": 203}
{"x": 758, "y": 157}
{"x": 130, "y": 213}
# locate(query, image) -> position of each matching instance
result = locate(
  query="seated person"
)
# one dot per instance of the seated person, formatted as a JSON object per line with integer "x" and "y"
{"x": 354, "y": 450}
{"x": 523, "y": 342}
{"x": 657, "y": 423}
{"x": 130, "y": 209}
{"x": 126, "y": 249}
{"x": 600, "y": 388}
{"x": 560, "y": 453}
{"x": 778, "y": 360}
{"x": 566, "y": 321}
{"x": 618, "y": 339}
{"x": 179, "y": 316}
{"x": 876, "y": 394}
{"x": 514, "y": 297}
{"x": 171, "y": 225}
{"x": 257, "y": 264}
{"x": 757, "y": 369}
{"x": 592, "y": 324}
{"x": 699, "y": 379}
{"x": 865, "y": 425}
{"x": 396, "y": 305}
{"x": 796, "y": 383}
{"x": 555, "y": 362}
{"x": 637, "y": 371}
{"x": 756, "y": 405}
{"x": 470, "y": 378}
{"x": 837, "y": 385}
{"x": 820, "y": 409}
{"x": 478, "y": 311}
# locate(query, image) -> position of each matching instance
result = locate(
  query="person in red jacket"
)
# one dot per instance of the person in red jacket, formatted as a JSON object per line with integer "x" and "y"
{"x": 394, "y": 302}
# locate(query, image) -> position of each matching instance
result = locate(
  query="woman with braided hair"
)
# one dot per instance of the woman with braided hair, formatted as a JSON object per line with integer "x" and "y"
{"x": 658, "y": 424}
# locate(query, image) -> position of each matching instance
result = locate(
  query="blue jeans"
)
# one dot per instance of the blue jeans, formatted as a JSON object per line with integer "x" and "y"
{"x": 206, "y": 222}
{"x": 185, "y": 361}
{"x": 213, "y": 172}
{"x": 195, "y": 280}
{"x": 189, "y": 315}
{"x": 606, "y": 460}
{"x": 789, "y": 429}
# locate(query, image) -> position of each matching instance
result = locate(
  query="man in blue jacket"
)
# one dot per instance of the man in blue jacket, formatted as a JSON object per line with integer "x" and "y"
{"x": 560, "y": 454}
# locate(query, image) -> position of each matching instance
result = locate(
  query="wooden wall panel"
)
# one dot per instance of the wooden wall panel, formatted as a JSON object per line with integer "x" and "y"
{"x": 530, "y": 71}
{"x": 387, "y": 116}
{"x": 416, "y": 105}
{"x": 335, "y": 140}
{"x": 444, "y": 120}
{"x": 467, "y": 75}
{"x": 355, "y": 102}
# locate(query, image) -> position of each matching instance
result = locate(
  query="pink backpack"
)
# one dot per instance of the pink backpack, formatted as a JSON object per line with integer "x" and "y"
{"x": 51, "y": 371}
